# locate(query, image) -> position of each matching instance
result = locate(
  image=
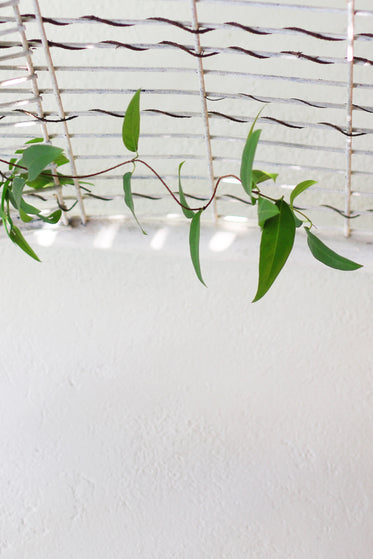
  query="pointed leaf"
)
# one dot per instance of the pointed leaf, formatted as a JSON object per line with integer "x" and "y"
{"x": 35, "y": 141}
{"x": 36, "y": 157}
{"x": 247, "y": 160}
{"x": 266, "y": 210}
{"x": 53, "y": 218}
{"x": 28, "y": 209}
{"x": 275, "y": 247}
{"x": 17, "y": 238}
{"x": 194, "y": 236}
{"x": 128, "y": 197}
{"x": 255, "y": 121}
{"x": 261, "y": 176}
{"x": 131, "y": 123}
{"x": 298, "y": 222}
{"x": 186, "y": 210}
{"x": 25, "y": 218}
{"x": 301, "y": 187}
{"x": 17, "y": 189}
{"x": 46, "y": 179}
{"x": 327, "y": 256}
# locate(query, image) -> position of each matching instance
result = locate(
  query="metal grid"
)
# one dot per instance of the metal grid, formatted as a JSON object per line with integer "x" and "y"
{"x": 205, "y": 69}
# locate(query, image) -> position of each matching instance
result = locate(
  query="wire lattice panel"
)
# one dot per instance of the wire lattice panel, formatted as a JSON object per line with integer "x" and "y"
{"x": 205, "y": 69}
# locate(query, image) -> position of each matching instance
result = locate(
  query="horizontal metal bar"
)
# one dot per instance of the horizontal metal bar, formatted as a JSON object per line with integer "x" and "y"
{"x": 227, "y": 73}
{"x": 11, "y": 30}
{"x": 19, "y": 102}
{"x": 189, "y": 49}
{"x": 212, "y": 114}
{"x": 20, "y": 54}
{"x": 219, "y": 94}
{"x": 9, "y": 3}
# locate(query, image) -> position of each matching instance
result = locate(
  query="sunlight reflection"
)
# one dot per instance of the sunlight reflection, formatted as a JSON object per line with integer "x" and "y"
{"x": 221, "y": 241}
{"x": 159, "y": 239}
{"x": 45, "y": 237}
{"x": 105, "y": 237}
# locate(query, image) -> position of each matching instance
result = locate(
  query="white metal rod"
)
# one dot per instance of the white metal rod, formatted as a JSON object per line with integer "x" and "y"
{"x": 35, "y": 91}
{"x": 205, "y": 114}
{"x": 350, "y": 88}
{"x": 60, "y": 108}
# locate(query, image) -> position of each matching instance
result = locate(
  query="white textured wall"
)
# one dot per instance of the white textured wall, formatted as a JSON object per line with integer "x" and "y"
{"x": 143, "y": 416}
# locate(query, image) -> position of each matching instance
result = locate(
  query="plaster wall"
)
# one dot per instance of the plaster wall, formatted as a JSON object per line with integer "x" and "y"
{"x": 144, "y": 416}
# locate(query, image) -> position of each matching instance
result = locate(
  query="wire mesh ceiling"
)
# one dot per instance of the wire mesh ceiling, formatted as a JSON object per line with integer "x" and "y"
{"x": 205, "y": 69}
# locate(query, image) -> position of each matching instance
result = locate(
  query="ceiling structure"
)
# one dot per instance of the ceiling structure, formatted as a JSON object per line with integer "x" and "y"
{"x": 205, "y": 70}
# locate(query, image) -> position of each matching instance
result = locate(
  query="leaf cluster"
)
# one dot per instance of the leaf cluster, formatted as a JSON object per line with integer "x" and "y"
{"x": 36, "y": 167}
{"x": 32, "y": 168}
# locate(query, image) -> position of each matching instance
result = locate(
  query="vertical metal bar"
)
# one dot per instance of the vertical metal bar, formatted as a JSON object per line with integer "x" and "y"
{"x": 350, "y": 86}
{"x": 205, "y": 114}
{"x": 61, "y": 111}
{"x": 35, "y": 90}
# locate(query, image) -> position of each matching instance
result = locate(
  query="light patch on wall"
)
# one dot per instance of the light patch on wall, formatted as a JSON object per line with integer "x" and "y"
{"x": 105, "y": 237}
{"x": 45, "y": 237}
{"x": 231, "y": 180}
{"x": 235, "y": 219}
{"x": 221, "y": 241}
{"x": 159, "y": 239}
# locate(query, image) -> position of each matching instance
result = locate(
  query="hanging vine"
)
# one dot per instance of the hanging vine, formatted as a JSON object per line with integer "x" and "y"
{"x": 36, "y": 166}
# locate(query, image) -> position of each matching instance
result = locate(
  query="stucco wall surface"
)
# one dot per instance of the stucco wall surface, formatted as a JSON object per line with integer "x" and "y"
{"x": 143, "y": 416}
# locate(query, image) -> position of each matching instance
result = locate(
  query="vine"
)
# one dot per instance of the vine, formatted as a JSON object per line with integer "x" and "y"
{"x": 36, "y": 166}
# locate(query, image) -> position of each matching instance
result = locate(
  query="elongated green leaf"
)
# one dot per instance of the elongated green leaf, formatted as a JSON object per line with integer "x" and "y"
{"x": 36, "y": 157}
{"x": 275, "y": 247}
{"x": 247, "y": 160}
{"x": 25, "y": 218}
{"x": 128, "y": 197}
{"x": 28, "y": 209}
{"x": 131, "y": 123}
{"x": 194, "y": 235}
{"x": 298, "y": 222}
{"x": 301, "y": 187}
{"x": 186, "y": 210}
{"x": 266, "y": 210}
{"x": 17, "y": 238}
{"x": 17, "y": 189}
{"x": 258, "y": 176}
{"x": 255, "y": 121}
{"x": 327, "y": 256}
{"x": 35, "y": 141}
{"x": 46, "y": 179}
{"x": 54, "y": 217}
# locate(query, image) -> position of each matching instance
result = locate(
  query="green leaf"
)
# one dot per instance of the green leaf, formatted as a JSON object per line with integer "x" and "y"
{"x": 194, "y": 235}
{"x": 186, "y": 210}
{"x": 275, "y": 247}
{"x": 17, "y": 238}
{"x": 128, "y": 197}
{"x": 255, "y": 121}
{"x": 54, "y": 217}
{"x": 247, "y": 160}
{"x": 327, "y": 256}
{"x": 35, "y": 141}
{"x": 61, "y": 160}
{"x": 28, "y": 209}
{"x": 25, "y": 218}
{"x": 261, "y": 176}
{"x": 17, "y": 189}
{"x": 46, "y": 179}
{"x": 301, "y": 187}
{"x": 131, "y": 123}
{"x": 266, "y": 210}
{"x": 298, "y": 222}
{"x": 36, "y": 157}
